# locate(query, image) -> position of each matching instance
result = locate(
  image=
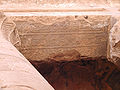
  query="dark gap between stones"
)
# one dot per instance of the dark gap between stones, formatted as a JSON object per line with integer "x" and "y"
{"x": 84, "y": 74}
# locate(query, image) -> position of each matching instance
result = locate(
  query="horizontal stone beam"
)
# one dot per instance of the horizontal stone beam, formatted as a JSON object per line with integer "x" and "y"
{"x": 37, "y": 5}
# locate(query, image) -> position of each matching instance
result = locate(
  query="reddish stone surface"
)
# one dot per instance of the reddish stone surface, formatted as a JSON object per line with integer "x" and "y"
{"x": 84, "y": 74}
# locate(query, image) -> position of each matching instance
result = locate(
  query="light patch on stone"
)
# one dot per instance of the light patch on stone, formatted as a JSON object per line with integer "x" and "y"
{"x": 115, "y": 42}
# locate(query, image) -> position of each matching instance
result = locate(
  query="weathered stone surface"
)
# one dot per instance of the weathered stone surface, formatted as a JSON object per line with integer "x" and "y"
{"x": 66, "y": 55}
{"x": 16, "y": 73}
{"x": 115, "y": 42}
{"x": 56, "y": 4}
{"x": 42, "y": 36}
{"x": 59, "y": 38}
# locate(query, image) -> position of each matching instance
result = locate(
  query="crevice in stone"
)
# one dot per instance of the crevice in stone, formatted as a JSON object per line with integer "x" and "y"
{"x": 86, "y": 73}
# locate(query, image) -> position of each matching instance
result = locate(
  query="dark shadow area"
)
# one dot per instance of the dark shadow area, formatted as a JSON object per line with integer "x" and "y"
{"x": 84, "y": 74}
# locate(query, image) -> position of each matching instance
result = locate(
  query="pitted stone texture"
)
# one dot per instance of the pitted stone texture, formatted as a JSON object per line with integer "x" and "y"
{"x": 42, "y": 36}
{"x": 58, "y": 3}
{"x": 115, "y": 42}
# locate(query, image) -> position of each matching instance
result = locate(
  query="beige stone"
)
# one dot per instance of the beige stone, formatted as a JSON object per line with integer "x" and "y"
{"x": 68, "y": 55}
{"x": 115, "y": 42}
{"x": 60, "y": 30}
{"x": 46, "y": 35}
{"x": 16, "y": 73}
{"x": 59, "y": 5}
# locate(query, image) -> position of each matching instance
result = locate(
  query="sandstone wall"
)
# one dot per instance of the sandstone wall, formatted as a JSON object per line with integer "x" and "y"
{"x": 81, "y": 2}
{"x": 41, "y": 37}
{"x": 56, "y": 4}
{"x": 16, "y": 73}
{"x": 44, "y": 35}
{"x": 115, "y": 41}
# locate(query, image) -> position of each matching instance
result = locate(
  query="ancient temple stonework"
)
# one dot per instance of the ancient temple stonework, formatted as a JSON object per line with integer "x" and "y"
{"x": 62, "y": 33}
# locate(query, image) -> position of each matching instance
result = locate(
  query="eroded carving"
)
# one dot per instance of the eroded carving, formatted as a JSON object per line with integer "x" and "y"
{"x": 115, "y": 42}
{"x": 43, "y": 38}
{"x": 9, "y": 31}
